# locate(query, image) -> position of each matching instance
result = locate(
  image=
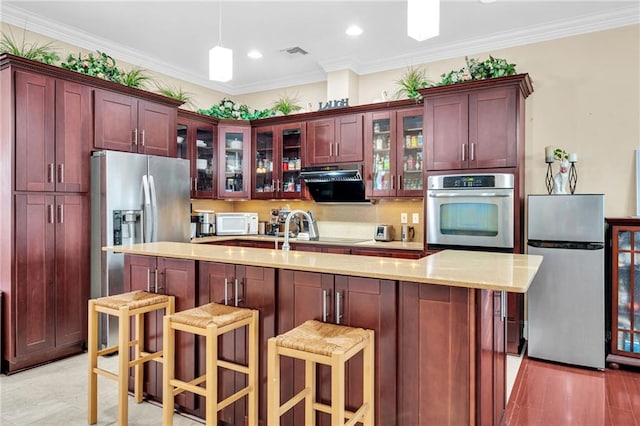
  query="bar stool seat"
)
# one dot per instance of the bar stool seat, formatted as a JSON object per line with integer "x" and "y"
{"x": 325, "y": 343}
{"x": 211, "y": 320}
{"x": 124, "y": 306}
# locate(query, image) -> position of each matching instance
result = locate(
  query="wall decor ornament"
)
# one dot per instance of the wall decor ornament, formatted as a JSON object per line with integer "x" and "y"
{"x": 557, "y": 184}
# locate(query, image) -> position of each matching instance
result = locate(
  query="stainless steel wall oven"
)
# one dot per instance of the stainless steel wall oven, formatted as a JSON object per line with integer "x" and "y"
{"x": 470, "y": 210}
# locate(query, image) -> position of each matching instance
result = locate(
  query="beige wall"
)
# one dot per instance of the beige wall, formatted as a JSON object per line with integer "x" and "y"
{"x": 586, "y": 100}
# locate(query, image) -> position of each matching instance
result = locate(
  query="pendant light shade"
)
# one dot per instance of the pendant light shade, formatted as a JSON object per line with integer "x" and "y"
{"x": 423, "y": 19}
{"x": 220, "y": 64}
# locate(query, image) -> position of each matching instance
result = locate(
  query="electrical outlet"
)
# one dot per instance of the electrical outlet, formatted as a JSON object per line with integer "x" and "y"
{"x": 415, "y": 218}
{"x": 403, "y": 218}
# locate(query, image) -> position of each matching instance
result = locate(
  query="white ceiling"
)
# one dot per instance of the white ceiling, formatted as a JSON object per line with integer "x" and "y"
{"x": 173, "y": 37}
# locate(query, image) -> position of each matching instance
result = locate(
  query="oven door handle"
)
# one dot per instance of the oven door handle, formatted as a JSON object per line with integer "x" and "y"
{"x": 467, "y": 195}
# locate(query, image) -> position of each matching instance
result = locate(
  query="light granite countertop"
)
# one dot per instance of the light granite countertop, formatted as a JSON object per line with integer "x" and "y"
{"x": 334, "y": 241}
{"x": 458, "y": 268}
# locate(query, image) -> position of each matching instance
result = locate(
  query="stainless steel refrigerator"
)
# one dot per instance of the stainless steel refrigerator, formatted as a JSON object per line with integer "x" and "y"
{"x": 134, "y": 198}
{"x": 565, "y": 301}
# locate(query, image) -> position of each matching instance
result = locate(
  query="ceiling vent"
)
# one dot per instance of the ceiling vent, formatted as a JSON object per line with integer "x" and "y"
{"x": 295, "y": 51}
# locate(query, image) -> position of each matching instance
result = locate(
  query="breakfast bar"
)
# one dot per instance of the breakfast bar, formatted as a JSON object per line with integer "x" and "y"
{"x": 438, "y": 320}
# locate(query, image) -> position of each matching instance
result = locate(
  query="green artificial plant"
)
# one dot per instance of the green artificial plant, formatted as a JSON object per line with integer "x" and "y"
{"x": 42, "y": 53}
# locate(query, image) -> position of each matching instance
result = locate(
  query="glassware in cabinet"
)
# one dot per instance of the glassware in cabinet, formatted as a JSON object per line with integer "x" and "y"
{"x": 235, "y": 145}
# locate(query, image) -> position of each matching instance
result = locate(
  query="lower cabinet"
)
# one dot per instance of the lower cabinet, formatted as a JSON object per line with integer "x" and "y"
{"x": 354, "y": 301}
{"x": 451, "y": 355}
{"x": 174, "y": 277}
{"x": 247, "y": 287}
{"x": 47, "y": 301}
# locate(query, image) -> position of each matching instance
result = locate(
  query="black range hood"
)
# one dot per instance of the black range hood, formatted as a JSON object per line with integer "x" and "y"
{"x": 340, "y": 183}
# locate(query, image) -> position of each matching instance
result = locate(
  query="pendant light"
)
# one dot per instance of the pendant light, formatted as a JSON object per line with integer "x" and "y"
{"x": 423, "y": 19}
{"x": 220, "y": 58}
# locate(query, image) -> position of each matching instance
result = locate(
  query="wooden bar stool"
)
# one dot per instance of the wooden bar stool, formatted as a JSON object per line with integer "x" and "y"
{"x": 211, "y": 320}
{"x": 332, "y": 345}
{"x": 124, "y": 306}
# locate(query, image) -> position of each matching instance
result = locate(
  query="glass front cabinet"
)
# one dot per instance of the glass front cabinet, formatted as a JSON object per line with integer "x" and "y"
{"x": 394, "y": 161}
{"x": 234, "y": 161}
{"x": 196, "y": 137}
{"x": 625, "y": 291}
{"x": 277, "y": 156}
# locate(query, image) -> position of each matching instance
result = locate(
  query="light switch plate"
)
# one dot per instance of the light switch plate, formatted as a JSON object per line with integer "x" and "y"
{"x": 415, "y": 218}
{"x": 403, "y": 218}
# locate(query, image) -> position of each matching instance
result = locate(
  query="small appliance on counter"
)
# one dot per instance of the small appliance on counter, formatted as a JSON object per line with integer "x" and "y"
{"x": 206, "y": 223}
{"x": 236, "y": 223}
{"x": 384, "y": 233}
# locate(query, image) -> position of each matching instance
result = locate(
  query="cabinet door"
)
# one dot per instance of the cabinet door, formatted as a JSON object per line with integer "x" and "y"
{"x": 115, "y": 121}
{"x": 72, "y": 268}
{"x": 291, "y": 139}
{"x": 320, "y": 143}
{"x": 349, "y": 141}
{"x": 35, "y": 274}
{"x": 267, "y": 163}
{"x": 447, "y": 133}
{"x": 234, "y": 161}
{"x": 156, "y": 129}
{"x": 177, "y": 277}
{"x": 73, "y": 136}
{"x": 433, "y": 355}
{"x": 409, "y": 153}
{"x": 381, "y": 154}
{"x": 35, "y": 132}
{"x": 492, "y": 128}
{"x": 625, "y": 303}
{"x": 371, "y": 303}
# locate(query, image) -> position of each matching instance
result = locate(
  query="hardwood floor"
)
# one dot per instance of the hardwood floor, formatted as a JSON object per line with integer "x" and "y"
{"x": 545, "y": 393}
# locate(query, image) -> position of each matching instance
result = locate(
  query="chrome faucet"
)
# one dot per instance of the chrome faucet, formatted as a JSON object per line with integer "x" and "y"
{"x": 313, "y": 227}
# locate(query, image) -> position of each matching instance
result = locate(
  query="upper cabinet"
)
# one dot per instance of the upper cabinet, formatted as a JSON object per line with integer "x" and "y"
{"x": 52, "y": 130}
{"x": 277, "y": 156}
{"x": 127, "y": 123}
{"x": 335, "y": 140}
{"x": 476, "y": 125}
{"x": 394, "y": 156}
{"x": 197, "y": 142}
{"x": 234, "y": 161}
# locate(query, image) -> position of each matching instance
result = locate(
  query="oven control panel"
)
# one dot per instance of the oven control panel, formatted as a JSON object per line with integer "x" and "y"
{"x": 468, "y": 181}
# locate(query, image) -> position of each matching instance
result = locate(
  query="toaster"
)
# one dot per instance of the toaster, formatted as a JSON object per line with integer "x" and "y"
{"x": 384, "y": 233}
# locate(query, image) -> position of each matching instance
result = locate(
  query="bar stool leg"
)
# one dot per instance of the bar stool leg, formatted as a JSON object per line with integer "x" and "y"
{"x": 253, "y": 370}
{"x": 92, "y": 343}
{"x": 273, "y": 383}
{"x": 368, "y": 381}
{"x": 337, "y": 390}
{"x": 211, "y": 411}
{"x": 168, "y": 371}
{"x": 138, "y": 369}
{"x": 123, "y": 366}
{"x": 310, "y": 399}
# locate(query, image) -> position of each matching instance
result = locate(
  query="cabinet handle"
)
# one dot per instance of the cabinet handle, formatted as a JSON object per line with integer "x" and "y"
{"x": 338, "y": 313}
{"x": 399, "y": 182}
{"x": 324, "y": 305}
{"x": 135, "y": 136}
{"x": 393, "y": 181}
{"x": 503, "y": 305}
{"x": 330, "y": 150}
{"x": 236, "y": 292}
{"x": 472, "y": 154}
{"x": 61, "y": 173}
{"x": 156, "y": 280}
{"x": 50, "y": 213}
{"x": 226, "y": 291}
{"x": 195, "y": 184}
{"x": 61, "y": 213}
{"x": 50, "y": 173}
{"x": 463, "y": 152}
{"x": 337, "y": 149}
{"x": 142, "y": 137}
{"x": 149, "y": 280}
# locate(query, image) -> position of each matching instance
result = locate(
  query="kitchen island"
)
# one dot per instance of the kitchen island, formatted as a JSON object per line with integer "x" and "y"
{"x": 438, "y": 320}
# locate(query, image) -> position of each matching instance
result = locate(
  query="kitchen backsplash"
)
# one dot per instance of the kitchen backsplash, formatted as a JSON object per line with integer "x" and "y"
{"x": 357, "y": 219}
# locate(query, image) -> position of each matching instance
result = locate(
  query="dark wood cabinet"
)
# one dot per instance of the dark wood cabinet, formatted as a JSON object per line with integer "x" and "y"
{"x": 53, "y": 130}
{"x": 335, "y": 140}
{"x": 248, "y": 287}
{"x": 234, "y": 161}
{"x": 353, "y": 301}
{"x": 130, "y": 124}
{"x": 394, "y": 157}
{"x": 52, "y": 275}
{"x": 197, "y": 142}
{"x": 277, "y": 160}
{"x": 175, "y": 277}
{"x": 624, "y": 276}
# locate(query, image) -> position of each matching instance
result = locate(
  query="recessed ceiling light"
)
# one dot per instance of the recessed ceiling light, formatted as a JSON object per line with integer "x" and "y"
{"x": 254, "y": 54}
{"x": 354, "y": 30}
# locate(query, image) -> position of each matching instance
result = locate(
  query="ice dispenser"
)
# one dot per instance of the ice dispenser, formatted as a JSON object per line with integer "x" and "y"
{"x": 127, "y": 227}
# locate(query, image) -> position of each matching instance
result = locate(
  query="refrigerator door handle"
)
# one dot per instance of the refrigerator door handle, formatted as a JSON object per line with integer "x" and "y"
{"x": 154, "y": 210}
{"x": 146, "y": 207}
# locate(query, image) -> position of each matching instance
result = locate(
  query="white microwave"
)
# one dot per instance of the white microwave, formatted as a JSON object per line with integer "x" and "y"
{"x": 236, "y": 223}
